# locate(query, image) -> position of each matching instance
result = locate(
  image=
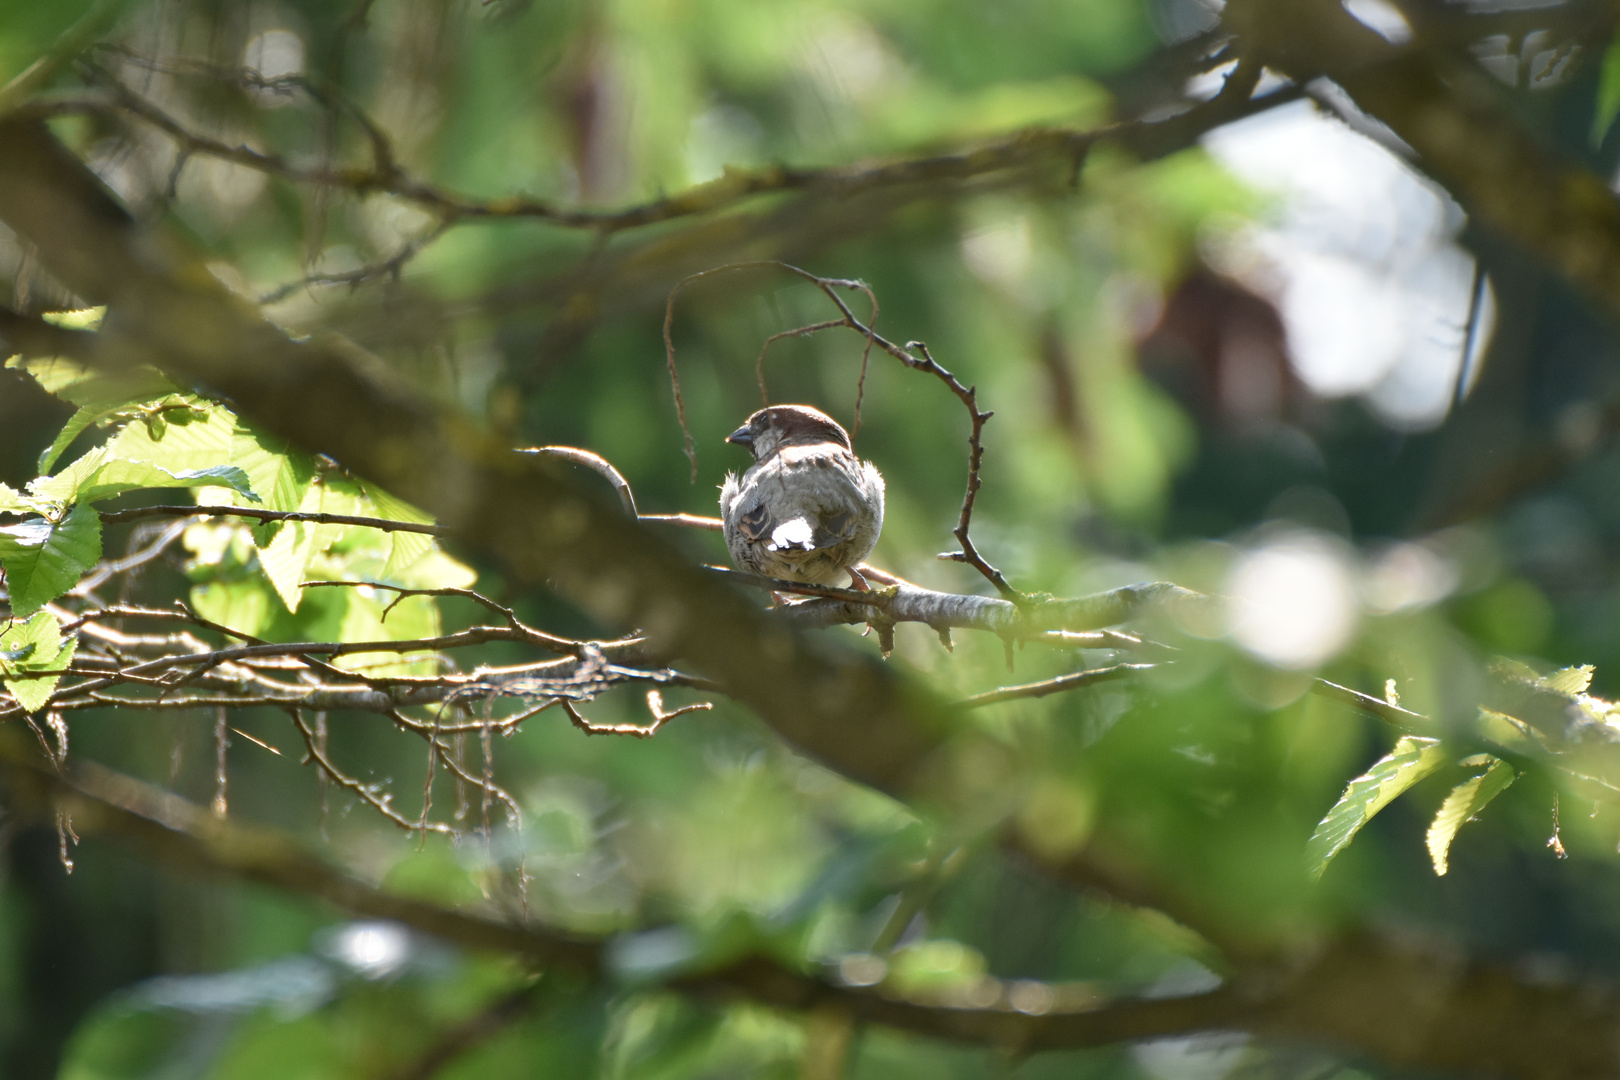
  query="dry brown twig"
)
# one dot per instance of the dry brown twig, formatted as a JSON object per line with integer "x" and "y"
{"x": 180, "y": 670}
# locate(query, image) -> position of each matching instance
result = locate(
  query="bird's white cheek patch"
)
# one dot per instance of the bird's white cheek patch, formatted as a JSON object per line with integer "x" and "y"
{"x": 791, "y": 534}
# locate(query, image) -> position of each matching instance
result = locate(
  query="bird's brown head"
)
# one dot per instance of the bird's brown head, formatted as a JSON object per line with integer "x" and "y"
{"x": 787, "y": 425}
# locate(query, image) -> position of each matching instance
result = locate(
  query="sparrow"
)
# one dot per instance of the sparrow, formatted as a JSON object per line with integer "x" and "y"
{"x": 807, "y": 510}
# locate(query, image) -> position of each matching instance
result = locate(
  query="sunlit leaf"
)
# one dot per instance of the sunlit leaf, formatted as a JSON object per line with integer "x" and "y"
{"x": 104, "y": 473}
{"x": 436, "y": 570}
{"x": 243, "y": 606}
{"x": 280, "y": 476}
{"x": 92, "y": 389}
{"x": 1413, "y": 758}
{"x": 364, "y": 620}
{"x": 407, "y": 548}
{"x": 933, "y": 966}
{"x": 199, "y": 437}
{"x": 121, "y": 477}
{"x": 63, "y": 488}
{"x": 77, "y": 423}
{"x": 1570, "y": 680}
{"x": 1466, "y": 800}
{"x": 286, "y": 558}
{"x": 43, "y": 559}
{"x": 40, "y": 638}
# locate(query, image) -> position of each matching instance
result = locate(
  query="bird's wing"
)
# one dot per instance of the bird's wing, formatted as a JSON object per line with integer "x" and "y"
{"x": 799, "y": 501}
{"x": 756, "y": 524}
{"x": 833, "y": 528}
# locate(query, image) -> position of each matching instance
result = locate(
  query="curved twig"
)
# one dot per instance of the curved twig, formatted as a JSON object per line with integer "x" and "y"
{"x": 593, "y": 461}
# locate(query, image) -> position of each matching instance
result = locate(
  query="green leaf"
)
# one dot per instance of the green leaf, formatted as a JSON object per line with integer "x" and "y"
{"x": 1569, "y": 681}
{"x": 99, "y": 475}
{"x": 1412, "y": 759}
{"x": 280, "y": 477}
{"x": 40, "y": 639}
{"x": 1465, "y": 801}
{"x": 12, "y": 501}
{"x": 205, "y": 441}
{"x": 1607, "y": 105}
{"x": 63, "y": 489}
{"x": 286, "y": 558}
{"x": 118, "y": 477}
{"x": 410, "y": 618}
{"x": 87, "y": 388}
{"x": 76, "y": 424}
{"x": 43, "y": 559}
{"x": 407, "y": 548}
{"x": 244, "y": 606}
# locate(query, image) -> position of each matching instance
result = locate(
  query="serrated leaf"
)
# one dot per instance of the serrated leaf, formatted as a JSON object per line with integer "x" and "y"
{"x": 1607, "y": 105}
{"x": 201, "y": 443}
{"x": 43, "y": 559}
{"x": 1570, "y": 680}
{"x": 1413, "y": 758}
{"x": 41, "y": 637}
{"x": 83, "y": 418}
{"x": 12, "y": 656}
{"x": 63, "y": 488}
{"x": 12, "y": 501}
{"x": 98, "y": 475}
{"x": 119, "y": 477}
{"x": 87, "y": 318}
{"x": 280, "y": 477}
{"x": 286, "y": 558}
{"x": 406, "y": 548}
{"x": 1466, "y": 800}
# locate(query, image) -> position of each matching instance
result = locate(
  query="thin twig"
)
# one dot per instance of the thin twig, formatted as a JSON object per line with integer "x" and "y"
{"x": 440, "y": 752}
{"x": 222, "y": 742}
{"x": 1476, "y": 315}
{"x": 969, "y": 397}
{"x": 137, "y": 513}
{"x": 102, "y": 571}
{"x": 566, "y": 646}
{"x": 635, "y": 731}
{"x": 593, "y": 461}
{"x": 392, "y": 266}
{"x": 871, "y": 598}
{"x": 1054, "y": 686}
{"x": 1380, "y": 708}
{"x": 366, "y": 793}
{"x": 797, "y": 331}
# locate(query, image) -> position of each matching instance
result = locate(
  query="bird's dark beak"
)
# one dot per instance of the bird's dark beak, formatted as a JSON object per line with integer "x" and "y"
{"x": 742, "y": 437}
